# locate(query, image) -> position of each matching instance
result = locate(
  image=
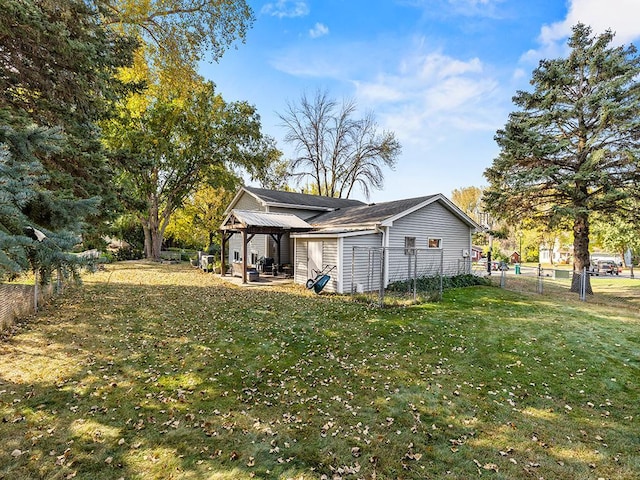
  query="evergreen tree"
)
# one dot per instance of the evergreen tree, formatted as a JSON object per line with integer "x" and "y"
{"x": 57, "y": 78}
{"x": 26, "y": 243}
{"x": 572, "y": 148}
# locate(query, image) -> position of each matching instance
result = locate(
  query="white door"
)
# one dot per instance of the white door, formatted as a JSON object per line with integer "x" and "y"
{"x": 314, "y": 257}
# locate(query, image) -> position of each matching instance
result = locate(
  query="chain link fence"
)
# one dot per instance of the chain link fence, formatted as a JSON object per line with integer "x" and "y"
{"x": 387, "y": 274}
{"x": 552, "y": 281}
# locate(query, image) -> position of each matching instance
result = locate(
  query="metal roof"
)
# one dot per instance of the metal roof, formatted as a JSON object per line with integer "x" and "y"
{"x": 254, "y": 218}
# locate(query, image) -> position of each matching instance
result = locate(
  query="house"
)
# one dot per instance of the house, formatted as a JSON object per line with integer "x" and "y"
{"x": 476, "y": 253}
{"x": 555, "y": 253}
{"x": 397, "y": 239}
{"x": 514, "y": 257}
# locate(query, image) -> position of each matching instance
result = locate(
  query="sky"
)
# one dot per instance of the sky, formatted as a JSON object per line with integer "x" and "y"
{"x": 439, "y": 74}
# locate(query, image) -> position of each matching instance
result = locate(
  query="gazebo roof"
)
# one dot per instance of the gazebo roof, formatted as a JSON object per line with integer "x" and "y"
{"x": 263, "y": 222}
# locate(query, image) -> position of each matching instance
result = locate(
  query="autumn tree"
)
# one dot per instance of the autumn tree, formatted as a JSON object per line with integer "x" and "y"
{"x": 168, "y": 149}
{"x": 180, "y": 33}
{"x": 197, "y": 222}
{"x": 336, "y": 151}
{"x": 571, "y": 150}
{"x": 469, "y": 200}
{"x": 620, "y": 234}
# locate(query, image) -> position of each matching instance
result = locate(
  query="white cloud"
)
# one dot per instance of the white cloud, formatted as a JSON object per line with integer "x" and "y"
{"x": 286, "y": 8}
{"x": 431, "y": 96}
{"x": 620, "y": 16}
{"x": 319, "y": 30}
{"x": 426, "y": 97}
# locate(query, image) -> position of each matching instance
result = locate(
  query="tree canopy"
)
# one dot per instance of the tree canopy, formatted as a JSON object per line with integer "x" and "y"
{"x": 335, "y": 150}
{"x": 572, "y": 148}
{"x": 57, "y": 78}
{"x": 167, "y": 149}
{"x": 181, "y": 32}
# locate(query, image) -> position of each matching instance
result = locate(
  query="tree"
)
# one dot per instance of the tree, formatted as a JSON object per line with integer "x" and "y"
{"x": 168, "y": 149}
{"x": 57, "y": 67}
{"x": 197, "y": 222}
{"x": 181, "y": 33}
{"x": 37, "y": 225}
{"x": 469, "y": 200}
{"x": 334, "y": 150}
{"x": 620, "y": 234}
{"x": 572, "y": 149}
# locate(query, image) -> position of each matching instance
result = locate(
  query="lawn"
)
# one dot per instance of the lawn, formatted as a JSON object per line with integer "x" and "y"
{"x": 161, "y": 371}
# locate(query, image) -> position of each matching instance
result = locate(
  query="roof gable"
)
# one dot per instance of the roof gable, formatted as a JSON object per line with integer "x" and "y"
{"x": 386, "y": 213}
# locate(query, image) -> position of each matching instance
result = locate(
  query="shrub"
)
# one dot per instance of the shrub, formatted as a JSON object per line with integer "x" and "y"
{"x": 128, "y": 253}
{"x": 432, "y": 283}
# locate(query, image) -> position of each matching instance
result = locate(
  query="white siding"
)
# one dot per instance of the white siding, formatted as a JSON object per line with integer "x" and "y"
{"x": 300, "y": 213}
{"x": 329, "y": 248}
{"x": 256, "y": 245}
{"x": 432, "y": 221}
{"x": 300, "y": 274}
{"x": 248, "y": 202}
{"x": 366, "y": 271}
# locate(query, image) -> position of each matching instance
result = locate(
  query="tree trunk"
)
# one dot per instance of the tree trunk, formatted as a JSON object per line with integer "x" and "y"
{"x": 152, "y": 231}
{"x": 147, "y": 238}
{"x": 581, "y": 253}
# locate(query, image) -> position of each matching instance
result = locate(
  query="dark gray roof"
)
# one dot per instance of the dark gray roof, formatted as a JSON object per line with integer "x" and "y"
{"x": 302, "y": 199}
{"x": 366, "y": 214}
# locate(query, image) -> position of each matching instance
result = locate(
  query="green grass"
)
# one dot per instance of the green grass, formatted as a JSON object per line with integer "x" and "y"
{"x": 161, "y": 371}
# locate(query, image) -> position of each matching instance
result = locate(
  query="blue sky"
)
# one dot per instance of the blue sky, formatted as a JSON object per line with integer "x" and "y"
{"x": 440, "y": 74}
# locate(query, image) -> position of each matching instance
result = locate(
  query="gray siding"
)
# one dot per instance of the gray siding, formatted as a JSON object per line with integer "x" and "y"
{"x": 365, "y": 274}
{"x": 432, "y": 221}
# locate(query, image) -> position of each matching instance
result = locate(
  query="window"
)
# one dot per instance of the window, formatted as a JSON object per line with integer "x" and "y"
{"x": 409, "y": 245}
{"x": 236, "y": 256}
{"x": 434, "y": 243}
{"x": 254, "y": 258}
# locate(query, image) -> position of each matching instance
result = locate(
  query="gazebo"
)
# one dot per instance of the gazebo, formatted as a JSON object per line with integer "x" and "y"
{"x": 251, "y": 222}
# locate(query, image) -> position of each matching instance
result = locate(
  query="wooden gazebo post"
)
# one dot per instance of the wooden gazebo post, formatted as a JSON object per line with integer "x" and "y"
{"x": 244, "y": 255}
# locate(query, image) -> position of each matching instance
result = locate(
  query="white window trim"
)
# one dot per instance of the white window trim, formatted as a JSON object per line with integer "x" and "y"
{"x": 439, "y": 239}
{"x": 409, "y": 250}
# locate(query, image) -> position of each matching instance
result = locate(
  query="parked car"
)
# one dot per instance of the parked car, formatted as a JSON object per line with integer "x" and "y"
{"x": 604, "y": 267}
{"x": 499, "y": 266}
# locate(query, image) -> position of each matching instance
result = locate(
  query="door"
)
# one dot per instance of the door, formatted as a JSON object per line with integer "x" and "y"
{"x": 314, "y": 257}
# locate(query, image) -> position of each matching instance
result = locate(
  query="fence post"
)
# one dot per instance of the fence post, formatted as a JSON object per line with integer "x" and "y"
{"x": 540, "y": 283}
{"x": 415, "y": 275}
{"x": 441, "y": 272}
{"x": 583, "y": 285}
{"x": 503, "y": 277}
{"x": 381, "y": 276}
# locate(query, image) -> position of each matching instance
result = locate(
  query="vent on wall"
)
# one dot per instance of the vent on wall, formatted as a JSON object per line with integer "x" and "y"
{"x": 465, "y": 253}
